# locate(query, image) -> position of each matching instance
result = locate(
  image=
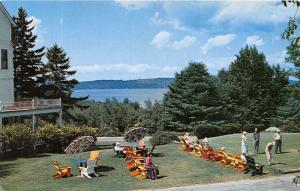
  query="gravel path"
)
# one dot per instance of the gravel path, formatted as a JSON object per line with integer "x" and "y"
{"x": 282, "y": 183}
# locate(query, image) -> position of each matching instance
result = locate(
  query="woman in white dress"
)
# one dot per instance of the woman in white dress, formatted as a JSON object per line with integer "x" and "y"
{"x": 244, "y": 147}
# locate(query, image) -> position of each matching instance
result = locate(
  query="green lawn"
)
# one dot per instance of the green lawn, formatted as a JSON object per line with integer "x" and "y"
{"x": 177, "y": 169}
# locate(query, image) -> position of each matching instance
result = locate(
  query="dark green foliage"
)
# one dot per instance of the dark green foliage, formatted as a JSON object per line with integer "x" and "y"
{"x": 207, "y": 130}
{"x": 58, "y": 83}
{"x": 254, "y": 88}
{"x": 163, "y": 137}
{"x": 26, "y": 59}
{"x": 193, "y": 98}
{"x": 229, "y": 128}
{"x": 288, "y": 115}
{"x": 152, "y": 116}
{"x": 111, "y": 117}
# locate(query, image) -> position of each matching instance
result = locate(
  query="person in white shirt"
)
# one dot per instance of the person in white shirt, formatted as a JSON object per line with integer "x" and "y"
{"x": 118, "y": 149}
{"x": 278, "y": 142}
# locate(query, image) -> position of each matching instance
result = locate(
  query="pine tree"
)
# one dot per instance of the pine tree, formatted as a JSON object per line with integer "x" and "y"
{"x": 192, "y": 99}
{"x": 59, "y": 84}
{"x": 255, "y": 88}
{"x": 27, "y": 60}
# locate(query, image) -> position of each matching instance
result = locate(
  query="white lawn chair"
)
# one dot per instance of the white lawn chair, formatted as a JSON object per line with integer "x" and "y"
{"x": 89, "y": 169}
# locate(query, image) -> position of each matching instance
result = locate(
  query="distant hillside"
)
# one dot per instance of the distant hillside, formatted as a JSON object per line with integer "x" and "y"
{"x": 126, "y": 84}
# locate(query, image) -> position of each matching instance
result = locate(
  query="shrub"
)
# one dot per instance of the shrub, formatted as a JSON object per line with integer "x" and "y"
{"x": 251, "y": 127}
{"x": 58, "y": 138}
{"x": 51, "y": 135}
{"x": 207, "y": 130}
{"x": 163, "y": 137}
{"x": 229, "y": 128}
{"x": 17, "y": 137}
{"x": 291, "y": 126}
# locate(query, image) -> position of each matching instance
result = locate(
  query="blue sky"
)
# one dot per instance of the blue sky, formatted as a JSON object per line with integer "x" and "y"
{"x": 144, "y": 39}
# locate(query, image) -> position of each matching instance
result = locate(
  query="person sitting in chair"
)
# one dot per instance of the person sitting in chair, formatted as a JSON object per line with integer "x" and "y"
{"x": 152, "y": 170}
{"x": 118, "y": 150}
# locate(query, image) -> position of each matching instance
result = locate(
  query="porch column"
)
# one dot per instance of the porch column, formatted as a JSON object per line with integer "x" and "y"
{"x": 0, "y": 121}
{"x": 33, "y": 123}
{"x": 60, "y": 120}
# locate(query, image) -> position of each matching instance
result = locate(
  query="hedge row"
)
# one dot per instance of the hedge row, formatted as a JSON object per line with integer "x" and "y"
{"x": 18, "y": 137}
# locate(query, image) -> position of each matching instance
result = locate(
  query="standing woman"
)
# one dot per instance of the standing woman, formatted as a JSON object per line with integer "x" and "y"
{"x": 244, "y": 147}
{"x": 256, "y": 138}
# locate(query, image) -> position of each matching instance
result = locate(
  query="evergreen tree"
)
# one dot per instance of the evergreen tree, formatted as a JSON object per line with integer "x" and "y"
{"x": 255, "y": 89}
{"x": 27, "y": 59}
{"x": 59, "y": 84}
{"x": 192, "y": 99}
{"x": 293, "y": 56}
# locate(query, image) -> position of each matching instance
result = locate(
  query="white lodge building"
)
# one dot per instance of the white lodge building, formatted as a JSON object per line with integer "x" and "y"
{"x": 8, "y": 106}
{"x": 6, "y": 55}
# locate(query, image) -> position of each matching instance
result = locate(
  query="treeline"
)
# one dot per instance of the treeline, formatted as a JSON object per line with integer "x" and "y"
{"x": 249, "y": 94}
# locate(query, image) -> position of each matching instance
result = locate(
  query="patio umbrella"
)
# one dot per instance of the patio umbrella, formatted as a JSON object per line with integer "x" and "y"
{"x": 272, "y": 129}
{"x": 135, "y": 134}
{"x": 79, "y": 145}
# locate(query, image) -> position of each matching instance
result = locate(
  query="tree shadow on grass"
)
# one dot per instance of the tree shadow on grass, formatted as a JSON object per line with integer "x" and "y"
{"x": 12, "y": 157}
{"x": 104, "y": 169}
{"x": 6, "y": 170}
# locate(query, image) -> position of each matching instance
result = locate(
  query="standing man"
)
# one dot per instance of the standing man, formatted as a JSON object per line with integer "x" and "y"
{"x": 278, "y": 141}
{"x": 256, "y": 138}
{"x": 268, "y": 151}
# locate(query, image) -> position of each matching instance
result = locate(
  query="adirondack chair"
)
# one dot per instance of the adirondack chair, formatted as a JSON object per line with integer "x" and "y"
{"x": 208, "y": 153}
{"x": 129, "y": 152}
{"x": 62, "y": 171}
{"x": 187, "y": 147}
{"x": 225, "y": 160}
{"x": 95, "y": 155}
{"x": 89, "y": 169}
{"x": 182, "y": 146}
{"x": 253, "y": 167}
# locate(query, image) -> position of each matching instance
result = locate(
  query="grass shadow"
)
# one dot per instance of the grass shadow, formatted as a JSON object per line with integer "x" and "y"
{"x": 6, "y": 170}
{"x": 104, "y": 169}
{"x": 160, "y": 177}
{"x": 158, "y": 155}
{"x": 283, "y": 153}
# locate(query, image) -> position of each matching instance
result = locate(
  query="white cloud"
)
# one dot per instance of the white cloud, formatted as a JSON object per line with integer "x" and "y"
{"x": 253, "y": 11}
{"x": 254, "y": 40}
{"x": 133, "y": 4}
{"x": 185, "y": 42}
{"x": 37, "y": 30}
{"x": 217, "y": 41}
{"x": 161, "y": 39}
{"x": 176, "y": 24}
{"x": 35, "y": 23}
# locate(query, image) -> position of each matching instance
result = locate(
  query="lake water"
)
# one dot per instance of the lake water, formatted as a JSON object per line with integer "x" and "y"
{"x": 139, "y": 95}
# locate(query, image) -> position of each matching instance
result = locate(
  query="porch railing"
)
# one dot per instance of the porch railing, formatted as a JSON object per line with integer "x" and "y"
{"x": 28, "y": 105}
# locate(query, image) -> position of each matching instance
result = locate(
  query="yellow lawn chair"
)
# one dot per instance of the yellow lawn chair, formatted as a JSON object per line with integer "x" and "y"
{"x": 95, "y": 155}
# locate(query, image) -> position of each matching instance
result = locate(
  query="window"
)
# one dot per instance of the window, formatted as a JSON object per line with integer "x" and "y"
{"x": 4, "y": 64}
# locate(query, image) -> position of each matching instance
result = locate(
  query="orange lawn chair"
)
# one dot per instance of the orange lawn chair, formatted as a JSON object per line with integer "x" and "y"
{"x": 62, "y": 171}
